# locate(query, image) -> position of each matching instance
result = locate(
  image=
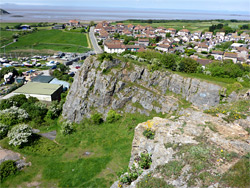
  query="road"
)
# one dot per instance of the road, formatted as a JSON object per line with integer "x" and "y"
{"x": 96, "y": 47}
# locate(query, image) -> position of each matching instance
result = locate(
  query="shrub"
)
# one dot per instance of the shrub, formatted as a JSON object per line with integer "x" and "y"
{"x": 19, "y": 134}
{"x": 13, "y": 115}
{"x": 54, "y": 110}
{"x": 67, "y": 128}
{"x": 188, "y": 65}
{"x": 145, "y": 160}
{"x": 3, "y": 130}
{"x": 112, "y": 116}
{"x": 7, "y": 168}
{"x": 96, "y": 118}
{"x": 149, "y": 134}
{"x": 131, "y": 175}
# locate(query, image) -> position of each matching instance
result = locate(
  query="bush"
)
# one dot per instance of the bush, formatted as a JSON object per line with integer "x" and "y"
{"x": 112, "y": 116}
{"x": 145, "y": 160}
{"x": 131, "y": 175}
{"x": 96, "y": 118}
{"x": 7, "y": 168}
{"x": 67, "y": 128}
{"x": 3, "y": 130}
{"x": 13, "y": 116}
{"x": 188, "y": 65}
{"x": 19, "y": 134}
{"x": 149, "y": 134}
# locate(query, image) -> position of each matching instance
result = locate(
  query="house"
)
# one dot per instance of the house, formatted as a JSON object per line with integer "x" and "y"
{"x": 183, "y": 32}
{"x": 132, "y": 48}
{"x": 208, "y": 35}
{"x": 114, "y": 47}
{"x": 74, "y": 23}
{"x": 103, "y": 34}
{"x": 42, "y": 91}
{"x": 171, "y": 30}
{"x": 143, "y": 42}
{"x": 204, "y": 62}
{"x": 163, "y": 47}
{"x": 197, "y": 34}
{"x": 25, "y": 27}
{"x": 161, "y": 33}
{"x": 127, "y": 32}
{"x": 160, "y": 29}
{"x": 241, "y": 60}
{"x": 235, "y": 38}
{"x": 218, "y": 55}
{"x": 230, "y": 55}
{"x": 202, "y": 47}
{"x": 98, "y": 27}
{"x": 62, "y": 26}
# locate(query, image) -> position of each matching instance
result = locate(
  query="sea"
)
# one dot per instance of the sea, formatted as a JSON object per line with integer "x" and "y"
{"x": 64, "y": 14}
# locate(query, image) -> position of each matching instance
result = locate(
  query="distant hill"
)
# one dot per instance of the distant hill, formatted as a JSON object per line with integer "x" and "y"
{"x": 2, "y": 12}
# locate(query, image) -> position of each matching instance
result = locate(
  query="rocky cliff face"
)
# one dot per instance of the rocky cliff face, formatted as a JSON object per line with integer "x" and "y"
{"x": 131, "y": 88}
{"x": 188, "y": 146}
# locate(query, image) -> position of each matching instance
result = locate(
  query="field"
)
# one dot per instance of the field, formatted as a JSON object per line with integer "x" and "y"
{"x": 190, "y": 25}
{"x": 66, "y": 164}
{"x": 49, "y": 40}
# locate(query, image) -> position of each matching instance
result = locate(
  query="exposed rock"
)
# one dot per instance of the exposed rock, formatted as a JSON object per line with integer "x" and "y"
{"x": 131, "y": 88}
{"x": 187, "y": 130}
{"x": 10, "y": 155}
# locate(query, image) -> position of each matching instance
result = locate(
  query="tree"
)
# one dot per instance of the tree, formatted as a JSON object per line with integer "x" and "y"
{"x": 188, "y": 65}
{"x": 92, "y": 23}
{"x": 63, "y": 68}
{"x": 6, "y": 70}
{"x": 19, "y": 135}
{"x": 168, "y": 61}
{"x": 168, "y": 35}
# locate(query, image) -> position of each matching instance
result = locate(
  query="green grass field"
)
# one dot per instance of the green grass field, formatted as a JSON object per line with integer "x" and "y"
{"x": 67, "y": 165}
{"x": 192, "y": 26}
{"x": 52, "y": 40}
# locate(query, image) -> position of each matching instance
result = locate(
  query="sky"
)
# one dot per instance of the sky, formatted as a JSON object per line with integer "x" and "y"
{"x": 209, "y": 5}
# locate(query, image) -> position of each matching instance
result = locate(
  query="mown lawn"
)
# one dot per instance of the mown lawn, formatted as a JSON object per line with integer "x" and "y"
{"x": 56, "y": 40}
{"x": 68, "y": 165}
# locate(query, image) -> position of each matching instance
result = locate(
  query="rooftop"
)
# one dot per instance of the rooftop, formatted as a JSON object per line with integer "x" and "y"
{"x": 38, "y": 88}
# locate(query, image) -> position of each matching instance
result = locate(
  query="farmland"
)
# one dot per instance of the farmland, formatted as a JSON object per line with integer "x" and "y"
{"x": 192, "y": 25}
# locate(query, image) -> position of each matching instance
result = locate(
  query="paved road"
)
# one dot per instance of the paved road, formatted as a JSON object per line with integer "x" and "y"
{"x": 97, "y": 48}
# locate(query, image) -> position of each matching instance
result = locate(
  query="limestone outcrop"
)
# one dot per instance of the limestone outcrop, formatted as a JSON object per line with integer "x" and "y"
{"x": 125, "y": 87}
{"x": 189, "y": 139}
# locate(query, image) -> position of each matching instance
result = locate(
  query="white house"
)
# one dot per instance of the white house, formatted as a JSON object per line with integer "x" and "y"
{"x": 218, "y": 55}
{"x": 114, "y": 47}
{"x": 163, "y": 47}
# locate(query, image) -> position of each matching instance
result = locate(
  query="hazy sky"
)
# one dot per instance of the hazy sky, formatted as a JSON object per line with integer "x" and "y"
{"x": 222, "y": 5}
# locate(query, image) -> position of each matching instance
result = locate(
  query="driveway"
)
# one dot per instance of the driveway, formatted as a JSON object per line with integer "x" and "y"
{"x": 96, "y": 47}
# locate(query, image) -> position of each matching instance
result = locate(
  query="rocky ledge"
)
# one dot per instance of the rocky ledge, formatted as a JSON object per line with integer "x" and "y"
{"x": 187, "y": 147}
{"x": 125, "y": 87}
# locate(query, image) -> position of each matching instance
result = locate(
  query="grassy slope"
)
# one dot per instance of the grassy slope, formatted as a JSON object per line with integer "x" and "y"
{"x": 52, "y": 39}
{"x": 66, "y": 165}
